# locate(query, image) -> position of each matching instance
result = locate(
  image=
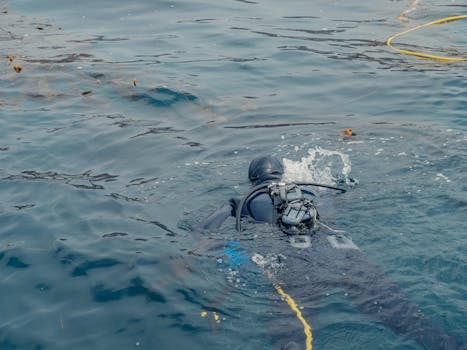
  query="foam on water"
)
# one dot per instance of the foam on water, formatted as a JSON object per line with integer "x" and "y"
{"x": 321, "y": 166}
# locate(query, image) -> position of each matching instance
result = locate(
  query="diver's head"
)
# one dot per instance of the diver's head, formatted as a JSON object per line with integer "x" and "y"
{"x": 265, "y": 168}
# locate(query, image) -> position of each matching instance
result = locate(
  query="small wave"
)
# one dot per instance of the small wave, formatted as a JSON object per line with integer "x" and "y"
{"x": 85, "y": 180}
{"x": 163, "y": 97}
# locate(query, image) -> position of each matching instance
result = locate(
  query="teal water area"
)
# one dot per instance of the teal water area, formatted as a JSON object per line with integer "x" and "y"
{"x": 100, "y": 192}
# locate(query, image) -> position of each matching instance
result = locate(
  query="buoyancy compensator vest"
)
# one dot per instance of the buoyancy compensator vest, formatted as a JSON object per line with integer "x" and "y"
{"x": 294, "y": 210}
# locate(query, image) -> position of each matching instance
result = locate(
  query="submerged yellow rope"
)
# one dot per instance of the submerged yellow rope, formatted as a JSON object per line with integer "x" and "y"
{"x": 421, "y": 54}
{"x": 294, "y": 307}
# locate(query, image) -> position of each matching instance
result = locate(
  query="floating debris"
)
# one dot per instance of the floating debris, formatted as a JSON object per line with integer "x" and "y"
{"x": 87, "y": 92}
{"x": 412, "y": 6}
{"x": 17, "y": 68}
{"x": 348, "y": 133}
{"x": 215, "y": 316}
{"x": 134, "y": 82}
{"x": 11, "y": 58}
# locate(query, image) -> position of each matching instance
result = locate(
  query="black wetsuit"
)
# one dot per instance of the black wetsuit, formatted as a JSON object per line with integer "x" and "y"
{"x": 311, "y": 273}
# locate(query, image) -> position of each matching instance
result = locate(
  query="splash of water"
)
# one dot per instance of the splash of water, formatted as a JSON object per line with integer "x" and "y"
{"x": 321, "y": 166}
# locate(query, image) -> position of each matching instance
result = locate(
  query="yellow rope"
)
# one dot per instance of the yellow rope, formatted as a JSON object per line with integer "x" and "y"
{"x": 294, "y": 307}
{"x": 421, "y": 54}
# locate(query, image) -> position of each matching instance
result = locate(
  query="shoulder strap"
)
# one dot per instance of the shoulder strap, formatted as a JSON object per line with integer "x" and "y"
{"x": 254, "y": 191}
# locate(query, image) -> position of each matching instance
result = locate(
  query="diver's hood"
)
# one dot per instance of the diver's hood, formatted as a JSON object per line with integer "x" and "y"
{"x": 265, "y": 168}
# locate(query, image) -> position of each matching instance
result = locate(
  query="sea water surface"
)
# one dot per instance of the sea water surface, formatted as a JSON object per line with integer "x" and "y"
{"x": 130, "y": 121}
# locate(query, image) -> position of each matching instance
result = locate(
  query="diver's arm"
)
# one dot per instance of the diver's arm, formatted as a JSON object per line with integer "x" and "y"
{"x": 216, "y": 219}
{"x": 212, "y": 223}
{"x": 376, "y": 294}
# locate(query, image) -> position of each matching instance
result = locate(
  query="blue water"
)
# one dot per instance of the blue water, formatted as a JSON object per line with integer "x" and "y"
{"x": 99, "y": 192}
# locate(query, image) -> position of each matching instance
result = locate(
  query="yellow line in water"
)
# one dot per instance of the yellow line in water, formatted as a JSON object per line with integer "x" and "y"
{"x": 294, "y": 307}
{"x": 421, "y": 54}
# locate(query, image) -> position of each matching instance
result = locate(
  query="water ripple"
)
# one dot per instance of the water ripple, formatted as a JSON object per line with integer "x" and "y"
{"x": 136, "y": 288}
{"x": 84, "y": 180}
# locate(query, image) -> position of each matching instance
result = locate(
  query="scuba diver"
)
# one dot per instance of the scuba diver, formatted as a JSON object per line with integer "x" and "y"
{"x": 313, "y": 260}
